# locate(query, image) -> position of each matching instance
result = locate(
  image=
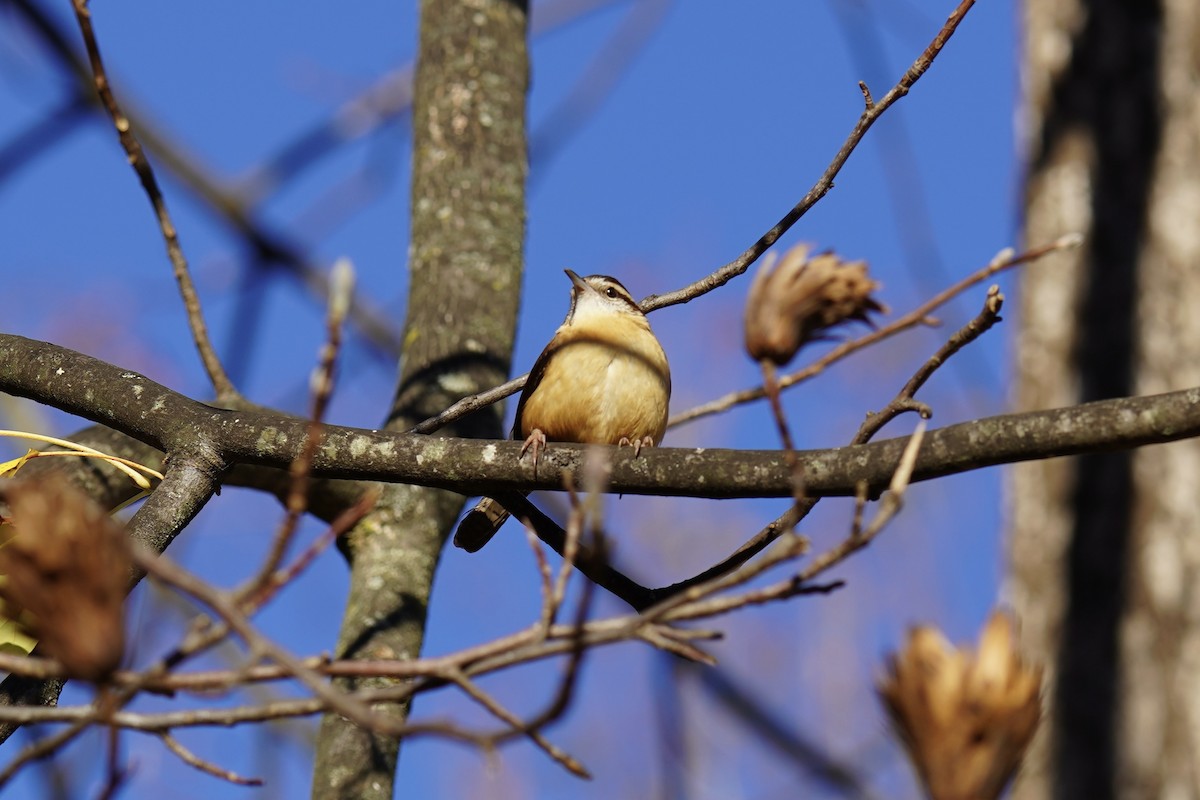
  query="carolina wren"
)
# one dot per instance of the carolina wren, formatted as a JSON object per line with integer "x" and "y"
{"x": 603, "y": 379}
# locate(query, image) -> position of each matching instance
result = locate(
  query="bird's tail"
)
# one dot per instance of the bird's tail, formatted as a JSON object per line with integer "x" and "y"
{"x": 480, "y": 525}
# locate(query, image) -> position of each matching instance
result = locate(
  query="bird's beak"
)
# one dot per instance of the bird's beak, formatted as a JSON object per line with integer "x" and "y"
{"x": 579, "y": 282}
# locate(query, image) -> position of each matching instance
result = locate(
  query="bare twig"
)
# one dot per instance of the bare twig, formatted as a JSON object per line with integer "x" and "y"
{"x": 342, "y": 523}
{"x": 115, "y": 775}
{"x": 43, "y": 748}
{"x": 341, "y": 294}
{"x": 544, "y": 574}
{"x": 983, "y": 321}
{"x": 871, "y": 113}
{"x": 771, "y": 387}
{"x": 469, "y": 405}
{"x": 574, "y": 531}
{"x": 472, "y": 690}
{"x": 163, "y": 569}
{"x": 554, "y": 585}
{"x": 566, "y": 687}
{"x": 193, "y": 760}
{"x": 223, "y": 387}
{"x": 889, "y": 505}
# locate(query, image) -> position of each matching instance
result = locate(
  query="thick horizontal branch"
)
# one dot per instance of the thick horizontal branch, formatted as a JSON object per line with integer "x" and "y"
{"x": 147, "y": 411}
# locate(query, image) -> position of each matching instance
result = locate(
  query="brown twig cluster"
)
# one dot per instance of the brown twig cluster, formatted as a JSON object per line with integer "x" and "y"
{"x": 658, "y": 625}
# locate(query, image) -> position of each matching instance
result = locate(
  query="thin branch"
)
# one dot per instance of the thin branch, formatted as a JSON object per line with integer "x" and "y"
{"x": 341, "y": 294}
{"x": 115, "y": 775}
{"x": 163, "y": 569}
{"x": 224, "y": 388}
{"x": 472, "y": 690}
{"x": 574, "y": 534}
{"x": 340, "y": 525}
{"x": 904, "y": 401}
{"x": 193, "y": 760}
{"x": 889, "y": 506}
{"x": 870, "y": 113}
{"x": 469, "y": 405}
{"x": 43, "y": 748}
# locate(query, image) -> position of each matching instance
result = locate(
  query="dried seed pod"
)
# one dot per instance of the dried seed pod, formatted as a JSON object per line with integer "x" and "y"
{"x": 793, "y": 302}
{"x": 66, "y": 564}
{"x": 965, "y": 718}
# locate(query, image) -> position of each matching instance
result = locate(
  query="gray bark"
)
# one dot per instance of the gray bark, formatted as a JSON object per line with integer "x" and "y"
{"x": 465, "y": 262}
{"x": 1104, "y": 548}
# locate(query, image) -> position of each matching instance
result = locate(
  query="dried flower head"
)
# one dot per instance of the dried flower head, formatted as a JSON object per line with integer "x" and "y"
{"x": 66, "y": 569}
{"x": 965, "y": 718}
{"x": 793, "y": 302}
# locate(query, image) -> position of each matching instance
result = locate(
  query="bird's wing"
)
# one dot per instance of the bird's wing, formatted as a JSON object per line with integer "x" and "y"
{"x": 535, "y": 377}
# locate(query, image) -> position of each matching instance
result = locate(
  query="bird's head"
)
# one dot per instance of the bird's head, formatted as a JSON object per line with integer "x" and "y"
{"x": 599, "y": 295}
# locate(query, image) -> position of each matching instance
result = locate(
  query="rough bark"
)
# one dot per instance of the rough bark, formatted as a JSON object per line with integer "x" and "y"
{"x": 468, "y": 226}
{"x": 1104, "y": 550}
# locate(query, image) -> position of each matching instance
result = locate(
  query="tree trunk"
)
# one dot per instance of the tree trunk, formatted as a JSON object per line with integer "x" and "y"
{"x": 468, "y": 229}
{"x": 1105, "y": 550}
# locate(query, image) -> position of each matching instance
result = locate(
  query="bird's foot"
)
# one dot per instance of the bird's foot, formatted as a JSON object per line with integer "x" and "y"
{"x": 638, "y": 444}
{"x": 535, "y": 442}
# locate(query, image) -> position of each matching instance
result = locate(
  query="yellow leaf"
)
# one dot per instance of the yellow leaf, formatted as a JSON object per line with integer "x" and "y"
{"x": 9, "y": 468}
{"x": 13, "y": 639}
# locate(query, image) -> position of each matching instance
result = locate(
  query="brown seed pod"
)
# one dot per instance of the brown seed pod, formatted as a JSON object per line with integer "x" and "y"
{"x": 796, "y": 300}
{"x": 66, "y": 565}
{"x": 965, "y": 717}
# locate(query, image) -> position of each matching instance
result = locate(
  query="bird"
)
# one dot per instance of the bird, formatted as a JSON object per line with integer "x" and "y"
{"x": 602, "y": 379}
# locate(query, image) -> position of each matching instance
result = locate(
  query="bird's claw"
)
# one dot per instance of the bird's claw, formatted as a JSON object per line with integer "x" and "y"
{"x": 535, "y": 442}
{"x": 638, "y": 444}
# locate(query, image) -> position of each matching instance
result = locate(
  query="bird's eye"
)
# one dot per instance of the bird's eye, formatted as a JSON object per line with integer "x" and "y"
{"x": 611, "y": 292}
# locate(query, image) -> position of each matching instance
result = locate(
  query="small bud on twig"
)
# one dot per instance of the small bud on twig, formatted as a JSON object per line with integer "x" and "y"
{"x": 965, "y": 718}
{"x": 67, "y": 564}
{"x": 793, "y": 302}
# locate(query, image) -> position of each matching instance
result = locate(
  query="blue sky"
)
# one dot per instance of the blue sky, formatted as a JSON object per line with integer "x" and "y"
{"x": 713, "y": 127}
